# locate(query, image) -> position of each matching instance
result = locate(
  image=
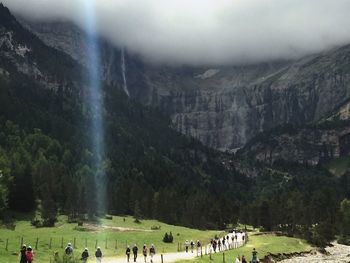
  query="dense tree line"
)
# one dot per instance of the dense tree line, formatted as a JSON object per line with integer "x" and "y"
{"x": 300, "y": 200}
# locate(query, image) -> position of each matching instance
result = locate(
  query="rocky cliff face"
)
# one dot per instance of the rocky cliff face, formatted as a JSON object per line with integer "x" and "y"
{"x": 223, "y": 106}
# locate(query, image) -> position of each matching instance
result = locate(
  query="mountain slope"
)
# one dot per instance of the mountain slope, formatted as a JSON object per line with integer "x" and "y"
{"x": 224, "y": 107}
{"x": 45, "y": 145}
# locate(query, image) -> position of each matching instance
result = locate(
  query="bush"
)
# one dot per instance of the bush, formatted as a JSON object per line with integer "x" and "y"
{"x": 155, "y": 227}
{"x": 323, "y": 234}
{"x": 37, "y": 222}
{"x": 168, "y": 238}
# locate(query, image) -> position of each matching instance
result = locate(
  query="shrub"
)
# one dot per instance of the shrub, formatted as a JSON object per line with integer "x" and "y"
{"x": 168, "y": 238}
{"x": 155, "y": 227}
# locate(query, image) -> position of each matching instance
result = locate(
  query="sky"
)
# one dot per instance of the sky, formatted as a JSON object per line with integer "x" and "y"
{"x": 202, "y": 32}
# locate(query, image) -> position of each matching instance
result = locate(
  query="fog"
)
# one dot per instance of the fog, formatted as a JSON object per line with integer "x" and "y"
{"x": 207, "y": 31}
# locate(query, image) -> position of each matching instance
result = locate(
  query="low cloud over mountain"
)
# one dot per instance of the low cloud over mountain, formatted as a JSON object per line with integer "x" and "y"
{"x": 206, "y": 31}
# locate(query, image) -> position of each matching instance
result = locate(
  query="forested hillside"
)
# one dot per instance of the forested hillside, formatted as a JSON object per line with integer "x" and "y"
{"x": 152, "y": 171}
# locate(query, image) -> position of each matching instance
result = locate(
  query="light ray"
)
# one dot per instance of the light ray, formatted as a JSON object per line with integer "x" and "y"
{"x": 95, "y": 104}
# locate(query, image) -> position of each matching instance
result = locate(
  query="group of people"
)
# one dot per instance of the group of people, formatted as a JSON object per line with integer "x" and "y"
{"x": 243, "y": 260}
{"x": 192, "y": 245}
{"x": 68, "y": 251}
{"x": 231, "y": 240}
{"x": 135, "y": 249}
{"x": 26, "y": 254}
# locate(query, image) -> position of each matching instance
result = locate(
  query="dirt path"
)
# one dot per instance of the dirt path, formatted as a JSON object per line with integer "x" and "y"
{"x": 167, "y": 257}
{"x": 172, "y": 257}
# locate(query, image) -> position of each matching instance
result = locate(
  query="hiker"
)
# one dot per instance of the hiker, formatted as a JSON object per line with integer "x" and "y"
{"x": 192, "y": 245}
{"x": 152, "y": 252}
{"x": 22, "y": 253}
{"x": 199, "y": 247}
{"x": 228, "y": 242}
{"x": 134, "y": 251}
{"x": 223, "y": 243}
{"x": 127, "y": 253}
{"x": 244, "y": 260}
{"x": 254, "y": 256}
{"x": 219, "y": 245}
{"x": 98, "y": 255}
{"x": 187, "y": 244}
{"x": 68, "y": 250}
{"x": 29, "y": 254}
{"x": 238, "y": 260}
{"x": 214, "y": 245}
{"x": 144, "y": 252}
{"x": 85, "y": 255}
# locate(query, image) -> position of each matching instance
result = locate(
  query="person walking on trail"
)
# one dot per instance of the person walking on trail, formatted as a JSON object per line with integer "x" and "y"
{"x": 85, "y": 255}
{"x": 199, "y": 247}
{"x": 244, "y": 260}
{"x": 134, "y": 251}
{"x": 22, "y": 254}
{"x": 152, "y": 252}
{"x": 144, "y": 252}
{"x": 214, "y": 245}
{"x": 187, "y": 244}
{"x": 223, "y": 243}
{"x": 219, "y": 245}
{"x": 254, "y": 256}
{"x": 29, "y": 254}
{"x": 192, "y": 245}
{"x": 68, "y": 250}
{"x": 127, "y": 253}
{"x": 238, "y": 260}
{"x": 98, "y": 255}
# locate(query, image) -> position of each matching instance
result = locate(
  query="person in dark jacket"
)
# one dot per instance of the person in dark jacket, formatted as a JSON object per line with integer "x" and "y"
{"x": 127, "y": 253}
{"x": 144, "y": 252}
{"x": 152, "y": 252}
{"x": 23, "y": 257}
{"x": 85, "y": 255}
{"x": 134, "y": 251}
{"x": 68, "y": 250}
{"x": 98, "y": 255}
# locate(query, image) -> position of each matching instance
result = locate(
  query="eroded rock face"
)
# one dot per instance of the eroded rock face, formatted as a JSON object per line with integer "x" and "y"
{"x": 223, "y": 106}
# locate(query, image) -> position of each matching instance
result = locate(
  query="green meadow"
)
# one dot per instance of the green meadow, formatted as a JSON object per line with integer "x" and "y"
{"x": 111, "y": 235}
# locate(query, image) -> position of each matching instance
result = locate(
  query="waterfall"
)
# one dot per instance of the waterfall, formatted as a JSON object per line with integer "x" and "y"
{"x": 123, "y": 67}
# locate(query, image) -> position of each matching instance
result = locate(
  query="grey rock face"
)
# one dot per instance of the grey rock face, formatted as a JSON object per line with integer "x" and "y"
{"x": 223, "y": 106}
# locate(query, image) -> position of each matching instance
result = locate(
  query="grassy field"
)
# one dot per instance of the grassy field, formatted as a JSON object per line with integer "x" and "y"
{"x": 264, "y": 244}
{"x": 117, "y": 238}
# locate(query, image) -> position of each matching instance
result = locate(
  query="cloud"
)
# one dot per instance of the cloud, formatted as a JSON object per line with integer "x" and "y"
{"x": 207, "y": 31}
